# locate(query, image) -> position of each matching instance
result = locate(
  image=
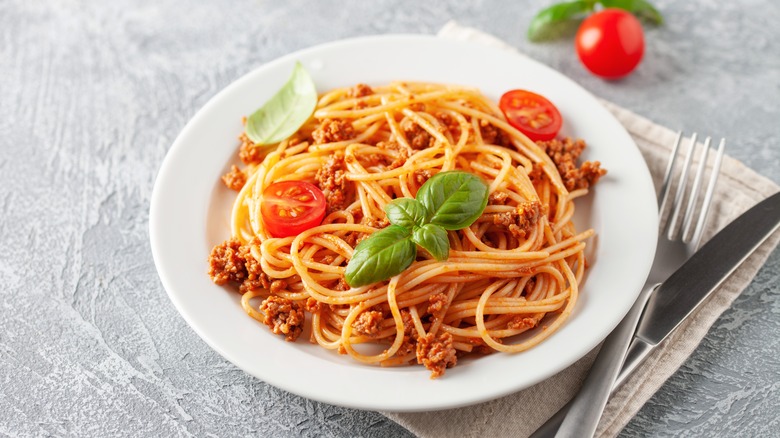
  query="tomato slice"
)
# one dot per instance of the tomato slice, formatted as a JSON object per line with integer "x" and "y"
{"x": 292, "y": 207}
{"x": 531, "y": 114}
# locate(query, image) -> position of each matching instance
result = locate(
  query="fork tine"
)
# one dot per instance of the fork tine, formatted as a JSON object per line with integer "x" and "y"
{"x": 663, "y": 195}
{"x": 694, "y": 195}
{"x": 671, "y": 226}
{"x": 705, "y": 208}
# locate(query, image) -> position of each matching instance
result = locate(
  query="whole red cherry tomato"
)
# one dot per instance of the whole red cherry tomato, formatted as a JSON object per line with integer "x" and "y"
{"x": 292, "y": 207}
{"x": 531, "y": 114}
{"x": 610, "y": 43}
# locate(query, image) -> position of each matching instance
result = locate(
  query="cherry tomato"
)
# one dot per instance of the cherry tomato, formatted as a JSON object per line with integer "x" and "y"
{"x": 531, "y": 114}
{"x": 610, "y": 43}
{"x": 292, "y": 207}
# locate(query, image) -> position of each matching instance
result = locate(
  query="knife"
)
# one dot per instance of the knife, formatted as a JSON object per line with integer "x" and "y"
{"x": 689, "y": 286}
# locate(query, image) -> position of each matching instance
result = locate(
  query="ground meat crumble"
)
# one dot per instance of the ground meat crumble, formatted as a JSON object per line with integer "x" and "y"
{"x": 227, "y": 262}
{"x": 497, "y": 198}
{"x": 422, "y": 175}
{"x": 255, "y": 277}
{"x": 520, "y": 322}
{"x": 436, "y": 303}
{"x": 403, "y": 153}
{"x": 283, "y": 316}
{"x": 478, "y": 347}
{"x": 333, "y": 130}
{"x": 255, "y": 282}
{"x": 378, "y": 223}
{"x": 536, "y": 173}
{"x": 368, "y": 323}
{"x": 564, "y": 154}
{"x": 360, "y": 90}
{"x": 341, "y": 285}
{"x": 410, "y": 336}
{"x": 249, "y": 152}
{"x": 312, "y": 305}
{"x": 449, "y": 122}
{"x": 417, "y": 106}
{"x": 437, "y": 354}
{"x": 235, "y": 179}
{"x": 230, "y": 261}
{"x": 417, "y": 137}
{"x": 331, "y": 179}
{"x": 492, "y": 135}
{"x": 521, "y": 221}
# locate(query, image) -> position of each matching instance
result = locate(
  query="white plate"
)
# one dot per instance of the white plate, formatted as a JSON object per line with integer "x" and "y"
{"x": 190, "y": 213}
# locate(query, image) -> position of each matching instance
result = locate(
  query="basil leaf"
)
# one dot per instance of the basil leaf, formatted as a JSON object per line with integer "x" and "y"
{"x": 640, "y": 8}
{"x": 286, "y": 111}
{"x": 454, "y": 199}
{"x": 434, "y": 239}
{"x": 448, "y": 201}
{"x": 384, "y": 254}
{"x": 406, "y": 212}
{"x": 558, "y": 20}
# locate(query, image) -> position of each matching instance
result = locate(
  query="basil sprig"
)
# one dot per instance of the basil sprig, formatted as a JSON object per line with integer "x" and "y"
{"x": 640, "y": 8}
{"x": 563, "y": 18}
{"x": 558, "y": 20}
{"x": 448, "y": 201}
{"x": 286, "y": 111}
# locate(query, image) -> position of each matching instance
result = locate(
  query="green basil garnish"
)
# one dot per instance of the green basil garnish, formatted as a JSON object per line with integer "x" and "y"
{"x": 286, "y": 111}
{"x": 557, "y": 20}
{"x": 640, "y": 8}
{"x": 563, "y": 19}
{"x": 448, "y": 201}
{"x": 384, "y": 254}
{"x": 406, "y": 212}
{"x": 434, "y": 239}
{"x": 454, "y": 199}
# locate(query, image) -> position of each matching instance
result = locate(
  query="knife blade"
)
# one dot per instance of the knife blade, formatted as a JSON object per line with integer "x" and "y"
{"x": 762, "y": 219}
{"x": 690, "y": 285}
{"x": 707, "y": 268}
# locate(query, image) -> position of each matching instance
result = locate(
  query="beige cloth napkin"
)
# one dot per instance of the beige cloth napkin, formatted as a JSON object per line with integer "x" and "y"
{"x": 521, "y": 413}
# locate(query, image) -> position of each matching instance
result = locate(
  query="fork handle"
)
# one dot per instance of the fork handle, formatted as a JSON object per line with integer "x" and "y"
{"x": 580, "y": 417}
{"x": 636, "y": 354}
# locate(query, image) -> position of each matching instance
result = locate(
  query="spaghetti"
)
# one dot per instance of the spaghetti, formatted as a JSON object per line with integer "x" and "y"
{"x": 519, "y": 262}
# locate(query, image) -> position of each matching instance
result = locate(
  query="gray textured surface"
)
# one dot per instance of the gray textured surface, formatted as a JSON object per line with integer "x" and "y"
{"x": 93, "y": 93}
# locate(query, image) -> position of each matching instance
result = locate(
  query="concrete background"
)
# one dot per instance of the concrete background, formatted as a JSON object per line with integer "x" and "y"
{"x": 93, "y": 93}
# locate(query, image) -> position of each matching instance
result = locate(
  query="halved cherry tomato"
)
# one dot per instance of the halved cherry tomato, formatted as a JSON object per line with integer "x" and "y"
{"x": 292, "y": 207}
{"x": 610, "y": 43}
{"x": 532, "y": 114}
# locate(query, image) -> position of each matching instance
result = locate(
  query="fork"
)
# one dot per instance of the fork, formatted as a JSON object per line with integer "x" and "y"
{"x": 677, "y": 241}
{"x": 676, "y": 246}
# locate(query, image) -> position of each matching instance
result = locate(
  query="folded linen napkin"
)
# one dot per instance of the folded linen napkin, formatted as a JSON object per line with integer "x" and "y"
{"x": 521, "y": 413}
